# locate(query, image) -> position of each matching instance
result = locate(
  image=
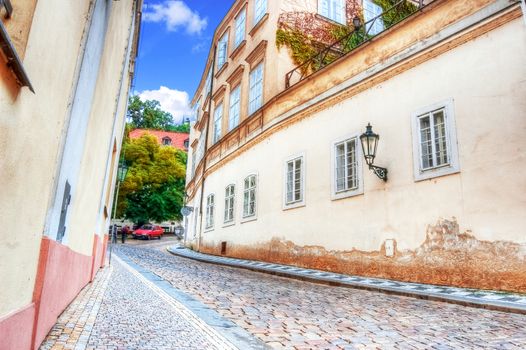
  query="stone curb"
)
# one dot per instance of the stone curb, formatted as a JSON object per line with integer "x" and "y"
{"x": 236, "y": 335}
{"x": 491, "y": 300}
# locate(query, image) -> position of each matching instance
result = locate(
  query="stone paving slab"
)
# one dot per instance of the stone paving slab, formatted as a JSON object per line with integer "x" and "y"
{"x": 493, "y": 300}
{"x": 288, "y": 313}
{"x": 128, "y": 307}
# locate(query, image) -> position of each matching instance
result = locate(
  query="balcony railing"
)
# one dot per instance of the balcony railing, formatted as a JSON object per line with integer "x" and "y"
{"x": 356, "y": 37}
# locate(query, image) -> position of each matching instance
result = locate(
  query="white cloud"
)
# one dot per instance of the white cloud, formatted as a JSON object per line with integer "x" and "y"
{"x": 173, "y": 101}
{"x": 175, "y": 14}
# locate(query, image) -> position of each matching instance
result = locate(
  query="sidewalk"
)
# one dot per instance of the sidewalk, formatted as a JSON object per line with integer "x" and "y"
{"x": 493, "y": 300}
{"x": 128, "y": 307}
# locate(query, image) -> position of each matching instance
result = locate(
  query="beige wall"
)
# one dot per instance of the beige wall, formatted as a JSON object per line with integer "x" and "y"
{"x": 484, "y": 77}
{"x": 32, "y": 131}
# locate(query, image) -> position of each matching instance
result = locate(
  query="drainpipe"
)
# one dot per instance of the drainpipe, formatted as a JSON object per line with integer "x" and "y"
{"x": 206, "y": 149}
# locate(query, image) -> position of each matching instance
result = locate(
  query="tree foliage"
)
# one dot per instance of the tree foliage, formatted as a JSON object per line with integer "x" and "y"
{"x": 149, "y": 115}
{"x": 154, "y": 186}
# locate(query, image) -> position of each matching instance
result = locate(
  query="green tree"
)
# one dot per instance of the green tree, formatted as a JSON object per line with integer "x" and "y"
{"x": 148, "y": 114}
{"x": 154, "y": 186}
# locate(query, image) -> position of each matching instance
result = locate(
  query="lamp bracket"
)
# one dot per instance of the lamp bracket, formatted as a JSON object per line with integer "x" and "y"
{"x": 379, "y": 171}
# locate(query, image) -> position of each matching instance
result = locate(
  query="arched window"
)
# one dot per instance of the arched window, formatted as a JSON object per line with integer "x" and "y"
{"x": 249, "y": 196}
{"x": 167, "y": 141}
{"x": 230, "y": 191}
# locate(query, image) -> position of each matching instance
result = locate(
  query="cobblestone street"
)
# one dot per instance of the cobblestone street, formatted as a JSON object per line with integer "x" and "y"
{"x": 287, "y": 313}
{"x": 122, "y": 310}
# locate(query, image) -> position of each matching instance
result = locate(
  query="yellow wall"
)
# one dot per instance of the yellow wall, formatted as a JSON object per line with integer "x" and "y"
{"x": 32, "y": 134}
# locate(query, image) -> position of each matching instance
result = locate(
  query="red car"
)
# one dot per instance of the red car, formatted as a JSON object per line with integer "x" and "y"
{"x": 148, "y": 231}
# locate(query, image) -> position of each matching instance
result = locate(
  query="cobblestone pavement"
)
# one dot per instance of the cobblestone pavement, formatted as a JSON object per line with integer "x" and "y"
{"x": 120, "y": 311}
{"x": 293, "y": 314}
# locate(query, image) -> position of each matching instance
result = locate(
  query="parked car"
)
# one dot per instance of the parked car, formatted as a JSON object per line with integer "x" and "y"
{"x": 148, "y": 231}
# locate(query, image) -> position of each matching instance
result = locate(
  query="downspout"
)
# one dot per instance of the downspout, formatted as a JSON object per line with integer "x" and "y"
{"x": 206, "y": 148}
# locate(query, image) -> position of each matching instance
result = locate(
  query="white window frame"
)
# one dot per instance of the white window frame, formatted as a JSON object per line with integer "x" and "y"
{"x": 235, "y": 107}
{"x": 359, "y": 168}
{"x": 230, "y": 204}
{"x": 378, "y": 25}
{"x": 329, "y": 9}
{"x": 453, "y": 165}
{"x": 222, "y": 50}
{"x": 218, "y": 120}
{"x": 252, "y": 216}
{"x": 260, "y": 9}
{"x": 208, "y": 82}
{"x": 255, "y": 94}
{"x": 294, "y": 203}
{"x": 240, "y": 29}
{"x": 210, "y": 209}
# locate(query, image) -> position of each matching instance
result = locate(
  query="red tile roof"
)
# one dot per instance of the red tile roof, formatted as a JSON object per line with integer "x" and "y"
{"x": 177, "y": 138}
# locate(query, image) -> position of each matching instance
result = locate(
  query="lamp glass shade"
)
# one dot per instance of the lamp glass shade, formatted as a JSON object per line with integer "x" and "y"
{"x": 122, "y": 171}
{"x": 369, "y": 142}
{"x": 356, "y": 22}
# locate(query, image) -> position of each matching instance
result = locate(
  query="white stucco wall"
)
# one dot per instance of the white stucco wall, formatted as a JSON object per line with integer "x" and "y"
{"x": 486, "y": 80}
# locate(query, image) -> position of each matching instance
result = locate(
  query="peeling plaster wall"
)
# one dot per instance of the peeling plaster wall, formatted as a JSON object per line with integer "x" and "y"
{"x": 484, "y": 246}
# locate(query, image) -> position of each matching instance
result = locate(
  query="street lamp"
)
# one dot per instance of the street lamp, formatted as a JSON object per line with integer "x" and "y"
{"x": 369, "y": 142}
{"x": 178, "y": 231}
{"x": 356, "y": 22}
{"x": 121, "y": 176}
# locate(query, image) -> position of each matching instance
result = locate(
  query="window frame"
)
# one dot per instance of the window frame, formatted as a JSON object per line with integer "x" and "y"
{"x": 218, "y": 121}
{"x": 453, "y": 165}
{"x": 222, "y": 59}
{"x": 260, "y": 65}
{"x": 335, "y": 195}
{"x": 228, "y": 197}
{"x": 237, "y": 40}
{"x": 231, "y": 111}
{"x": 258, "y": 18}
{"x": 245, "y": 218}
{"x": 375, "y": 23}
{"x": 210, "y": 212}
{"x": 294, "y": 203}
{"x": 327, "y": 15}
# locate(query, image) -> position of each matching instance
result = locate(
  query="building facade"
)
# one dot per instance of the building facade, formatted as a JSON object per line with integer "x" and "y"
{"x": 276, "y": 170}
{"x": 65, "y": 73}
{"x": 179, "y": 140}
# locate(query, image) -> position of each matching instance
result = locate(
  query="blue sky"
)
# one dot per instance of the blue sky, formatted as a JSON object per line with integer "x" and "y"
{"x": 175, "y": 39}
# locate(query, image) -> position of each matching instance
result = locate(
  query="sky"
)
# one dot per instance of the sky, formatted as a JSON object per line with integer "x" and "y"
{"x": 173, "y": 48}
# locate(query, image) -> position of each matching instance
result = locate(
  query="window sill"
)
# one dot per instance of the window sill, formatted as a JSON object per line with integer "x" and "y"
{"x": 249, "y": 219}
{"x": 258, "y": 25}
{"x": 208, "y": 229}
{"x": 346, "y": 194}
{"x": 221, "y": 70}
{"x": 238, "y": 49}
{"x": 330, "y": 20}
{"x": 436, "y": 172}
{"x": 294, "y": 205}
{"x": 228, "y": 224}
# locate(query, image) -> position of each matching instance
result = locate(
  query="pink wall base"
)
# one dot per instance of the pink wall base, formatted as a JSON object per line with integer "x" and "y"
{"x": 16, "y": 329}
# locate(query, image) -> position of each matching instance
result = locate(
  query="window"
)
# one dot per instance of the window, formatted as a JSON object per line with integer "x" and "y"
{"x": 347, "y": 169}
{"x": 434, "y": 141}
{"x": 255, "y": 96}
{"x": 370, "y": 11}
{"x": 239, "y": 34}
{"x": 260, "y": 8}
{"x": 222, "y": 47}
{"x": 167, "y": 141}
{"x": 209, "y": 211}
{"x": 208, "y": 82}
{"x": 218, "y": 117}
{"x": 333, "y": 9}
{"x": 195, "y": 111}
{"x": 249, "y": 197}
{"x": 186, "y": 143}
{"x": 234, "y": 108}
{"x": 229, "y": 203}
{"x": 294, "y": 182}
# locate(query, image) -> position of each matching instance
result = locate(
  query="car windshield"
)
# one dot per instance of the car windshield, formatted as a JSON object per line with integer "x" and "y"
{"x": 147, "y": 227}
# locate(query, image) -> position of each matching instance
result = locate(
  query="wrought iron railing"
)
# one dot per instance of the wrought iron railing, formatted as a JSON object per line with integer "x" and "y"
{"x": 358, "y": 35}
